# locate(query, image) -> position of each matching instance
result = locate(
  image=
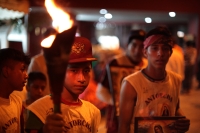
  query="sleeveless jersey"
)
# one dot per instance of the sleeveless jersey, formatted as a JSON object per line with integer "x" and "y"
{"x": 158, "y": 98}
{"x": 10, "y": 111}
{"x": 79, "y": 118}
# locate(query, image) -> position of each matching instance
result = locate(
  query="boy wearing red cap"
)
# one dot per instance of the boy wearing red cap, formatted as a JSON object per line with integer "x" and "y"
{"x": 77, "y": 115}
{"x": 153, "y": 91}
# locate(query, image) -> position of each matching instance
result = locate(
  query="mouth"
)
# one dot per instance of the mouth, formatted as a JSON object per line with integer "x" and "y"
{"x": 80, "y": 87}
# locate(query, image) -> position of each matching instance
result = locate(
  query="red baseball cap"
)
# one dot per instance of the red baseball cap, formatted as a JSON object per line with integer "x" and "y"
{"x": 81, "y": 51}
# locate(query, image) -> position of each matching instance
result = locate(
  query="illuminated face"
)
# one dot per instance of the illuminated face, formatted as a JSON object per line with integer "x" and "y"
{"x": 135, "y": 50}
{"x": 158, "y": 55}
{"x": 17, "y": 75}
{"x": 77, "y": 77}
{"x": 36, "y": 89}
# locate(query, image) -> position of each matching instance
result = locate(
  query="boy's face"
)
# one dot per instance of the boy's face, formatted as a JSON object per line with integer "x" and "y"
{"x": 16, "y": 75}
{"x": 158, "y": 55}
{"x": 135, "y": 50}
{"x": 36, "y": 89}
{"x": 77, "y": 77}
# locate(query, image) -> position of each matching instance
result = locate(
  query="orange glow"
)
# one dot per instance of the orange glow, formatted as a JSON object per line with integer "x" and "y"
{"x": 61, "y": 21}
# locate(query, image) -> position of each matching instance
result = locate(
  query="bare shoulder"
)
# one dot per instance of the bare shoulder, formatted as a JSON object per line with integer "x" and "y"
{"x": 127, "y": 90}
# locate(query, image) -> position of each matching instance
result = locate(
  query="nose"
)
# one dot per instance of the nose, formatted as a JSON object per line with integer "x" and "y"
{"x": 40, "y": 90}
{"x": 26, "y": 75}
{"x": 160, "y": 52}
{"x": 81, "y": 77}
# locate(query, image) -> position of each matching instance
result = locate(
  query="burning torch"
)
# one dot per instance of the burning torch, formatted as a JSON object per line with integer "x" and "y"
{"x": 56, "y": 49}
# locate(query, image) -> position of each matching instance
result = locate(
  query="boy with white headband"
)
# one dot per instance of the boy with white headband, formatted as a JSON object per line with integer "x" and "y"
{"x": 153, "y": 91}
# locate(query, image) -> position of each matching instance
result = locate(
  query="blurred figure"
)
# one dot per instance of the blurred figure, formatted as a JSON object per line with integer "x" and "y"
{"x": 190, "y": 54}
{"x": 132, "y": 58}
{"x": 36, "y": 85}
{"x": 176, "y": 61}
{"x": 38, "y": 64}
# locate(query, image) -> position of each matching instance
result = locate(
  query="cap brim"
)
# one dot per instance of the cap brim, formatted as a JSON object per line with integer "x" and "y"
{"x": 82, "y": 60}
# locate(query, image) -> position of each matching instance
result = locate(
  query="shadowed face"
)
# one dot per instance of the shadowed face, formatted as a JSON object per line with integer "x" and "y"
{"x": 158, "y": 55}
{"x": 16, "y": 74}
{"x": 135, "y": 50}
{"x": 36, "y": 89}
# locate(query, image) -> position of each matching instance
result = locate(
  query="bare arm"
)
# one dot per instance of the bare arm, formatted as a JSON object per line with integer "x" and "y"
{"x": 127, "y": 102}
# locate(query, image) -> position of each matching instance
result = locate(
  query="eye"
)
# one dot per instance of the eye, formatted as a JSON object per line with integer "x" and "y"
{"x": 154, "y": 48}
{"x": 73, "y": 70}
{"x": 23, "y": 69}
{"x": 166, "y": 48}
{"x": 87, "y": 70}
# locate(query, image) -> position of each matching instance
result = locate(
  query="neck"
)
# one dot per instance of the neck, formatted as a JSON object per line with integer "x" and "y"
{"x": 155, "y": 75}
{"x": 134, "y": 62}
{"x": 69, "y": 97}
{"x": 29, "y": 101}
{"x": 5, "y": 90}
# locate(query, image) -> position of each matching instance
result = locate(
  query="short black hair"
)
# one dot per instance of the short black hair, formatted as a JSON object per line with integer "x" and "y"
{"x": 32, "y": 76}
{"x": 137, "y": 34}
{"x": 12, "y": 54}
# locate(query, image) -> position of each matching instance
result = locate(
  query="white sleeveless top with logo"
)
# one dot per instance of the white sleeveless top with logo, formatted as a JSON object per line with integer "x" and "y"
{"x": 159, "y": 98}
{"x": 10, "y": 112}
{"x": 83, "y": 118}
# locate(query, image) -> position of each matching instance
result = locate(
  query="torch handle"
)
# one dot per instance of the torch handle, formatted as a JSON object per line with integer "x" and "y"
{"x": 57, "y": 108}
{"x": 57, "y": 103}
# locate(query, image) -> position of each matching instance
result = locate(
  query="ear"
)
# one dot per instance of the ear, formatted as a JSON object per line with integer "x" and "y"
{"x": 145, "y": 52}
{"x": 5, "y": 71}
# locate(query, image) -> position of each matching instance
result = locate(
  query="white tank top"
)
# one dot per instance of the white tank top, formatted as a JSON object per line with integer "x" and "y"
{"x": 155, "y": 98}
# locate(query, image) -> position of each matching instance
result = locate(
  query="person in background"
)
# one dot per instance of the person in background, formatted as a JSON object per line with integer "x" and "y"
{"x": 13, "y": 77}
{"x": 150, "y": 91}
{"x": 190, "y": 55}
{"x": 176, "y": 61}
{"x": 35, "y": 87}
{"x": 78, "y": 116}
{"x": 132, "y": 58}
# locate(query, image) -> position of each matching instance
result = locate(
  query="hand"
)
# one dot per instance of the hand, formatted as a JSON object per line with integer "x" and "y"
{"x": 54, "y": 124}
{"x": 182, "y": 125}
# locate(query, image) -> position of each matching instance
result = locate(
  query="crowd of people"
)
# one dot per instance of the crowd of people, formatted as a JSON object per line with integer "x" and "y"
{"x": 145, "y": 80}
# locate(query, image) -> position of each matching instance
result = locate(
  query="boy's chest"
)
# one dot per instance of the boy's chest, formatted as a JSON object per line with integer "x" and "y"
{"x": 10, "y": 119}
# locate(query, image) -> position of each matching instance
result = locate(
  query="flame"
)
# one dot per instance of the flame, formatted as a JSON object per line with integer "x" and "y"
{"x": 61, "y": 21}
{"x": 48, "y": 40}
